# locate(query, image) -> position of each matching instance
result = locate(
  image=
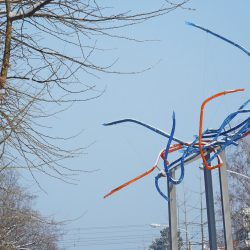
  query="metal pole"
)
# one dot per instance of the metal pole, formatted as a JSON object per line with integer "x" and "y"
{"x": 225, "y": 204}
{"x": 201, "y": 211}
{"x": 185, "y": 216}
{"x": 172, "y": 216}
{"x": 210, "y": 207}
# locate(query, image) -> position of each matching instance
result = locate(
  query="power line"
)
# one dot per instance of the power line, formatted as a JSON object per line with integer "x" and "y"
{"x": 107, "y": 227}
{"x": 109, "y": 237}
{"x": 146, "y": 241}
{"x": 123, "y": 235}
{"x": 109, "y": 232}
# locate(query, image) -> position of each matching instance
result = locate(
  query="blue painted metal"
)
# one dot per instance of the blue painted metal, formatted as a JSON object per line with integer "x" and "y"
{"x": 221, "y": 37}
{"x": 218, "y": 138}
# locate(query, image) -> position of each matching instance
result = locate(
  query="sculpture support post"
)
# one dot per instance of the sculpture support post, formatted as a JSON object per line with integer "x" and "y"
{"x": 225, "y": 204}
{"x": 172, "y": 216}
{"x": 210, "y": 207}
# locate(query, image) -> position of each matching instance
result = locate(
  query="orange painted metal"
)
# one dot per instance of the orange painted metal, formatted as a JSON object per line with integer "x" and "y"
{"x": 201, "y": 124}
{"x": 176, "y": 147}
{"x": 131, "y": 181}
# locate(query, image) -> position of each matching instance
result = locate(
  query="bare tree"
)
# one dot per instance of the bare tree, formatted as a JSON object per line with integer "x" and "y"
{"x": 20, "y": 226}
{"x": 238, "y": 162}
{"x": 45, "y": 45}
{"x": 239, "y": 186}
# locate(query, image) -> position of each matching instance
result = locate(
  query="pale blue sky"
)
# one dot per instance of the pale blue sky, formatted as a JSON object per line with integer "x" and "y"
{"x": 188, "y": 66}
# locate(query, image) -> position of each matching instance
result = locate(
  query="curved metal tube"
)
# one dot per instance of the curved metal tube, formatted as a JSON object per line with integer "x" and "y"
{"x": 221, "y": 37}
{"x": 156, "y": 130}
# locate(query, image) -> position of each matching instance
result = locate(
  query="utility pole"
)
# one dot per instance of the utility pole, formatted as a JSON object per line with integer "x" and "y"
{"x": 185, "y": 217}
{"x": 189, "y": 246}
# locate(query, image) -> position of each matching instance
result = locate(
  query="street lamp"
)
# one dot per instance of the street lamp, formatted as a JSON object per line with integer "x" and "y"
{"x": 232, "y": 172}
{"x": 154, "y": 225}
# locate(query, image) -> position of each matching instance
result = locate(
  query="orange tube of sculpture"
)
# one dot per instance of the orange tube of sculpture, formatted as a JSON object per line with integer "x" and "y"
{"x": 201, "y": 124}
{"x": 172, "y": 149}
{"x": 131, "y": 181}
